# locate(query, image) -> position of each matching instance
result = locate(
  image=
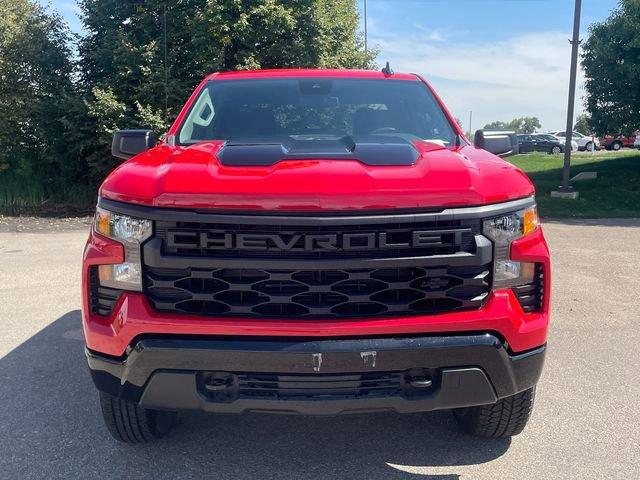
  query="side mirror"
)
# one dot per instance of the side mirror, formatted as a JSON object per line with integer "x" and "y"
{"x": 128, "y": 143}
{"x": 499, "y": 143}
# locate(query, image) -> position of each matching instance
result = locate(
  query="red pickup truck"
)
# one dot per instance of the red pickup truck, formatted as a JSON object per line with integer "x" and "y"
{"x": 314, "y": 242}
{"x": 616, "y": 143}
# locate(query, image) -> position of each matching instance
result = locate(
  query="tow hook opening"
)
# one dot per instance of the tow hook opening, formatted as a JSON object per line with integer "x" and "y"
{"x": 218, "y": 386}
{"x": 218, "y": 381}
{"x": 420, "y": 381}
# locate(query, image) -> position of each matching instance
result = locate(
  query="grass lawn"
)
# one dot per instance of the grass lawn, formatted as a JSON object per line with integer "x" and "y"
{"x": 614, "y": 194}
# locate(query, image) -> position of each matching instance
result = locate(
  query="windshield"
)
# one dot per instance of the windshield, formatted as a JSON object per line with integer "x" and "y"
{"x": 270, "y": 110}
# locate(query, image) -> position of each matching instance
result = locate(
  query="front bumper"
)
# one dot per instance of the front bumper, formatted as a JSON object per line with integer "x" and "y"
{"x": 316, "y": 377}
{"x": 133, "y": 316}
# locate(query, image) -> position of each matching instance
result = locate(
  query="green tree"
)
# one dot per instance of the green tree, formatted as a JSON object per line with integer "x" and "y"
{"x": 37, "y": 95}
{"x": 518, "y": 125}
{"x": 611, "y": 61}
{"x": 525, "y": 124}
{"x": 122, "y": 54}
{"x": 583, "y": 124}
{"x": 498, "y": 125}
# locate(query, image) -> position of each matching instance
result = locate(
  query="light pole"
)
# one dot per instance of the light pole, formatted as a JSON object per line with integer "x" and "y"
{"x": 565, "y": 189}
{"x": 166, "y": 66}
{"x": 365, "y": 26}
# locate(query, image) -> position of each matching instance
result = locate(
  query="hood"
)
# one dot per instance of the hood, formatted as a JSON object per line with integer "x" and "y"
{"x": 194, "y": 177}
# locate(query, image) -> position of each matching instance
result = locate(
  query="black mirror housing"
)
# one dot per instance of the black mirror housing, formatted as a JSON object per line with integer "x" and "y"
{"x": 128, "y": 143}
{"x": 499, "y": 143}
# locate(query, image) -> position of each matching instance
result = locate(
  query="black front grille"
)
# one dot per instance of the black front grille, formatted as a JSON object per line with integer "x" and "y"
{"x": 317, "y": 293}
{"x": 102, "y": 299}
{"x": 426, "y": 265}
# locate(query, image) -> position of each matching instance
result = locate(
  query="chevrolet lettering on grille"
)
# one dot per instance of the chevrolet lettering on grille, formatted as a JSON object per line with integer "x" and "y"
{"x": 220, "y": 240}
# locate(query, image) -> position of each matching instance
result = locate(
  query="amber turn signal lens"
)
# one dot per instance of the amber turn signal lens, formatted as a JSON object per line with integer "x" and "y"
{"x": 529, "y": 221}
{"x": 103, "y": 222}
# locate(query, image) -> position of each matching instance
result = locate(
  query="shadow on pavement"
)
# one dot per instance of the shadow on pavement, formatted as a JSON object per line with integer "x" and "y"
{"x": 51, "y": 427}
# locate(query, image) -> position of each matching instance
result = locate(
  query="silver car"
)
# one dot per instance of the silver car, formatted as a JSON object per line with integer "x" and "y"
{"x": 584, "y": 142}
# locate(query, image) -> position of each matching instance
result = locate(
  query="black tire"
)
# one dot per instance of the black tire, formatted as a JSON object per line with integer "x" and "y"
{"x": 129, "y": 423}
{"x": 588, "y": 146}
{"x": 556, "y": 150}
{"x": 506, "y": 418}
{"x": 616, "y": 146}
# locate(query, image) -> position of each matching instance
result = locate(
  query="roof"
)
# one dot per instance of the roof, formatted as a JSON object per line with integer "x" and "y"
{"x": 308, "y": 72}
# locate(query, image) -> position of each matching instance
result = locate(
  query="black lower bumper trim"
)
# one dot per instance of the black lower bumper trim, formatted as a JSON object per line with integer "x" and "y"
{"x": 319, "y": 376}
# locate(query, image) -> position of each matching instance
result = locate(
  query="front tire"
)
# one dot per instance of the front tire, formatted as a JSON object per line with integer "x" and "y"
{"x": 556, "y": 150}
{"x": 130, "y": 423}
{"x": 589, "y": 147}
{"x": 506, "y": 418}
{"x": 616, "y": 146}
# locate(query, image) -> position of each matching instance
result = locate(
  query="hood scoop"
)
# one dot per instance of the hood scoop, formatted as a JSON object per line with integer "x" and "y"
{"x": 374, "y": 150}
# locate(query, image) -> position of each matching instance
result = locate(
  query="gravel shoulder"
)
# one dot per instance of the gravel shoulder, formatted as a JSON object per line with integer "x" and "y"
{"x": 43, "y": 224}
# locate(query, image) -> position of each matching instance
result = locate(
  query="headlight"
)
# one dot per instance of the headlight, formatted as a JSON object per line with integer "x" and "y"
{"x": 502, "y": 231}
{"x": 122, "y": 227}
{"x": 131, "y": 232}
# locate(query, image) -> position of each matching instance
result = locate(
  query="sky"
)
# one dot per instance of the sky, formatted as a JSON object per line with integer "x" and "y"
{"x": 500, "y": 59}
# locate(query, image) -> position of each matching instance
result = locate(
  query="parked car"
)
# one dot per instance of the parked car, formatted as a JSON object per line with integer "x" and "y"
{"x": 538, "y": 142}
{"x": 288, "y": 248}
{"x": 574, "y": 144}
{"x": 636, "y": 144}
{"x": 616, "y": 143}
{"x": 585, "y": 142}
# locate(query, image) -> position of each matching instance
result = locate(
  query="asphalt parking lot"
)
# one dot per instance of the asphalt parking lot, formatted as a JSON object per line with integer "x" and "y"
{"x": 586, "y": 423}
